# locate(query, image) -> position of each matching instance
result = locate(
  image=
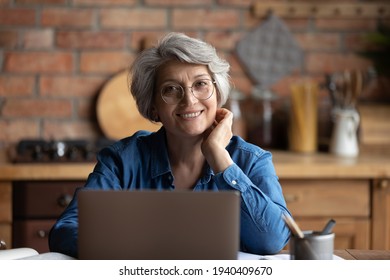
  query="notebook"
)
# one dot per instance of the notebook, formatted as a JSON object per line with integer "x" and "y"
{"x": 158, "y": 225}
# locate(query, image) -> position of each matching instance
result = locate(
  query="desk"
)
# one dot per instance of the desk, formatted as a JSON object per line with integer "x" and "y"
{"x": 317, "y": 187}
{"x": 354, "y": 254}
{"x": 347, "y": 254}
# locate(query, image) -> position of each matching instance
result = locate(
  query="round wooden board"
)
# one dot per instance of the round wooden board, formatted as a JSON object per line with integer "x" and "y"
{"x": 117, "y": 112}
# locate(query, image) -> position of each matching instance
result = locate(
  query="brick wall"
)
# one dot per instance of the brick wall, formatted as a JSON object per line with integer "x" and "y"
{"x": 55, "y": 55}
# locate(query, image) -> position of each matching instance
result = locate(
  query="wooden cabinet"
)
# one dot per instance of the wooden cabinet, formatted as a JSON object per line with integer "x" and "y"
{"x": 6, "y": 213}
{"x": 313, "y": 202}
{"x": 37, "y": 205}
{"x": 381, "y": 214}
{"x": 317, "y": 187}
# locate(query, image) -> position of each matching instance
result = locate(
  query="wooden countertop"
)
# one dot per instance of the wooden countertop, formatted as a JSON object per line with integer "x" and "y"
{"x": 288, "y": 165}
{"x": 355, "y": 254}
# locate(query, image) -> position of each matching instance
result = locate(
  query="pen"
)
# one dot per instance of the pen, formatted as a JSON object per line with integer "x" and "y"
{"x": 293, "y": 226}
{"x": 328, "y": 227}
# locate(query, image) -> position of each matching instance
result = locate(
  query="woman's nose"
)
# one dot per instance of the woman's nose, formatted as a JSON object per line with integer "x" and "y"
{"x": 188, "y": 97}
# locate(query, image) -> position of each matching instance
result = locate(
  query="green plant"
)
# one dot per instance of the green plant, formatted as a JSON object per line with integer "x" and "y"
{"x": 377, "y": 49}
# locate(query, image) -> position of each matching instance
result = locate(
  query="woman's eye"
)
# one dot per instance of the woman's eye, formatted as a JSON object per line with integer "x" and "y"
{"x": 171, "y": 89}
{"x": 200, "y": 84}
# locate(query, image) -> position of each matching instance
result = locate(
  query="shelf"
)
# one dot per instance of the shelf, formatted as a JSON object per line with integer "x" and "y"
{"x": 322, "y": 10}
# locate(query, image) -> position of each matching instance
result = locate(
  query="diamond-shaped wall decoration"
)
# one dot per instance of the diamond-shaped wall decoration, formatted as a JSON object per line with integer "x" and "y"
{"x": 269, "y": 52}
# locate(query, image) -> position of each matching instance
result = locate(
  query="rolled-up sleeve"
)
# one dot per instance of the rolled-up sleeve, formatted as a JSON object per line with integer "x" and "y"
{"x": 262, "y": 203}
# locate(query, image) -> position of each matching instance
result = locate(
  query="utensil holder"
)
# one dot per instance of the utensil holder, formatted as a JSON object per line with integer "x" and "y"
{"x": 344, "y": 140}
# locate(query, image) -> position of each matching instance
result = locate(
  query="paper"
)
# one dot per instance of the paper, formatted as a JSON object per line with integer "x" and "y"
{"x": 248, "y": 256}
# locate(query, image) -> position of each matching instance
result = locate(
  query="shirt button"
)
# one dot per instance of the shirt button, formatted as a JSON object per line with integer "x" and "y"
{"x": 234, "y": 182}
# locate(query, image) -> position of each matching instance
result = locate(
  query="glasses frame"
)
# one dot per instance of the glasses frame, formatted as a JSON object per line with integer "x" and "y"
{"x": 191, "y": 90}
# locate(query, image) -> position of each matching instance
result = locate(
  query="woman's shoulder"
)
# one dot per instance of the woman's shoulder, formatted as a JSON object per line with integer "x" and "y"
{"x": 239, "y": 145}
{"x": 139, "y": 140}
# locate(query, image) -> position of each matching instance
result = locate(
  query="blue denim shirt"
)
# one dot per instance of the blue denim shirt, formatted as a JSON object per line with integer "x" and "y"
{"x": 141, "y": 162}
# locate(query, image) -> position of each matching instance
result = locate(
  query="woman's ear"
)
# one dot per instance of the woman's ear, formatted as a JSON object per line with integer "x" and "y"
{"x": 155, "y": 116}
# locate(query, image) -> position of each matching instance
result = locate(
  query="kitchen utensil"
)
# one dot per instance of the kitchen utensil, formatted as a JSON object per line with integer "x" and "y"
{"x": 269, "y": 52}
{"x": 328, "y": 227}
{"x": 344, "y": 140}
{"x": 302, "y": 131}
{"x": 117, "y": 112}
{"x": 292, "y": 226}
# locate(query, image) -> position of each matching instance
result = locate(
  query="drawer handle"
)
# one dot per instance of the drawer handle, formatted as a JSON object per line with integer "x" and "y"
{"x": 383, "y": 184}
{"x": 64, "y": 200}
{"x": 289, "y": 198}
{"x": 42, "y": 233}
{"x": 3, "y": 245}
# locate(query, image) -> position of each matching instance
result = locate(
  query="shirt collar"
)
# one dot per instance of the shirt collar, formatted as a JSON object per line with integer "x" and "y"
{"x": 159, "y": 153}
{"x": 160, "y": 157}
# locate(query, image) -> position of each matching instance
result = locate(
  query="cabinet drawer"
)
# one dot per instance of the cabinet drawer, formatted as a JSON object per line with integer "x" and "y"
{"x": 5, "y": 233}
{"x": 42, "y": 199}
{"x": 5, "y": 202}
{"x": 331, "y": 198}
{"x": 33, "y": 234}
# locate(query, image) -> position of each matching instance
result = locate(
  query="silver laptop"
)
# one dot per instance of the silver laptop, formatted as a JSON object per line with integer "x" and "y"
{"x": 146, "y": 225}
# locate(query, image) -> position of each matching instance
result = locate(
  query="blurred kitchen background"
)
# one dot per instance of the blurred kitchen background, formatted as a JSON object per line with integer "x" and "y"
{"x": 57, "y": 55}
{"x": 311, "y": 79}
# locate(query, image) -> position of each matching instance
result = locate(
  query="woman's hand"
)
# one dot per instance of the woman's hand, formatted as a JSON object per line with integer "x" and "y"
{"x": 216, "y": 139}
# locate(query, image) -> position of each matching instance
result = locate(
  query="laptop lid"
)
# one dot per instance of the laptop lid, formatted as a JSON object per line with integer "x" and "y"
{"x": 158, "y": 224}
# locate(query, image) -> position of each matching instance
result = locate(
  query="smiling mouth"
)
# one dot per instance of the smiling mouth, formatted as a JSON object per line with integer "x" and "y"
{"x": 190, "y": 115}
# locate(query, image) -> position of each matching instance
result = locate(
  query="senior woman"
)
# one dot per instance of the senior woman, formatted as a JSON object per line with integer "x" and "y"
{"x": 183, "y": 84}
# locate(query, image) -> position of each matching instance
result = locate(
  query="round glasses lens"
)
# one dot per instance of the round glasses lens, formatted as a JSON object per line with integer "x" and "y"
{"x": 172, "y": 94}
{"x": 202, "y": 89}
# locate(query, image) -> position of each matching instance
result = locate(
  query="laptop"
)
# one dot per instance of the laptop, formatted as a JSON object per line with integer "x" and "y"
{"x": 171, "y": 225}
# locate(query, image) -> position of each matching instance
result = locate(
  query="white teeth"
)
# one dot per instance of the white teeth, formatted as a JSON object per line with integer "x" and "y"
{"x": 192, "y": 115}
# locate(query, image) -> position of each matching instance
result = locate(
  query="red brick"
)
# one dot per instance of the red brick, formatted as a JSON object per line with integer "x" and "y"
{"x": 8, "y": 39}
{"x": 17, "y": 86}
{"x": 236, "y": 66}
{"x": 134, "y": 18}
{"x": 345, "y": 24}
{"x": 204, "y": 18}
{"x": 17, "y": 107}
{"x": 293, "y": 24}
{"x": 61, "y": 17}
{"x": 224, "y": 40}
{"x": 242, "y": 84}
{"x": 17, "y": 17}
{"x": 318, "y": 41}
{"x": 355, "y": 42}
{"x": 16, "y": 130}
{"x": 332, "y": 62}
{"x": 178, "y": 3}
{"x": 42, "y": 2}
{"x": 41, "y": 62}
{"x": 111, "y": 3}
{"x": 137, "y": 38}
{"x": 89, "y": 39}
{"x": 38, "y": 39}
{"x": 104, "y": 62}
{"x": 71, "y": 86}
{"x": 68, "y": 129}
{"x": 236, "y": 3}
{"x": 85, "y": 108}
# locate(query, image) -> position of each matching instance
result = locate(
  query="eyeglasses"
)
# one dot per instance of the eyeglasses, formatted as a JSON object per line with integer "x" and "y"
{"x": 174, "y": 93}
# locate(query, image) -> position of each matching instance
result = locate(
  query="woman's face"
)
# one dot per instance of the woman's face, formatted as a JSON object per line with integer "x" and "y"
{"x": 189, "y": 117}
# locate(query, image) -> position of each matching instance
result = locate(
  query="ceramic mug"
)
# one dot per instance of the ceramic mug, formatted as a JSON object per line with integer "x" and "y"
{"x": 313, "y": 246}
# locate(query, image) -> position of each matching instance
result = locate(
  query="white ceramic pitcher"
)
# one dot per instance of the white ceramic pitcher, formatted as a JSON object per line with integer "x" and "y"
{"x": 344, "y": 140}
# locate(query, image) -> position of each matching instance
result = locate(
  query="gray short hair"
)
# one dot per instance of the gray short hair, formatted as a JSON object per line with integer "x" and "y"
{"x": 175, "y": 46}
